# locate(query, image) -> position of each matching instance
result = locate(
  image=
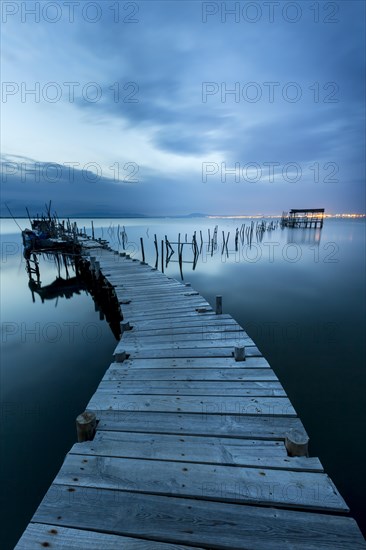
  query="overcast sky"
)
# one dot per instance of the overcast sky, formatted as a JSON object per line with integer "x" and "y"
{"x": 164, "y": 108}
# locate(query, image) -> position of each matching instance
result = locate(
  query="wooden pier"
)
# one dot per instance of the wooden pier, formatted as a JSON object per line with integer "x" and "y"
{"x": 305, "y": 218}
{"x": 189, "y": 449}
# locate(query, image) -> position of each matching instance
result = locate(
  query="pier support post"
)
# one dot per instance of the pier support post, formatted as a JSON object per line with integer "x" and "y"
{"x": 239, "y": 353}
{"x": 125, "y": 325}
{"x": 297, "y": 443}
{"x": 218, "y": 305}
{"x": 92, "y": 261}
{"x": 120, "y": 357}
{"x": 86, "y": 424}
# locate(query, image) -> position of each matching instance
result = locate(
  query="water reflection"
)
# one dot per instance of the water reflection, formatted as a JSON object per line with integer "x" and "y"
{"x": 61, "y": 287}
{"x": 66, "y": 285}
{"x": 302, "y": 236}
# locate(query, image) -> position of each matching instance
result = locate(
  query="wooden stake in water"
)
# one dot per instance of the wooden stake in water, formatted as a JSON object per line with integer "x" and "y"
{"x": 156, "y": 250}
{"x": 142, "y": 248}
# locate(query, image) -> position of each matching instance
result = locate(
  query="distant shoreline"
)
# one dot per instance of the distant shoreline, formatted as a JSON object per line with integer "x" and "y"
{"x": 189, "y": 216}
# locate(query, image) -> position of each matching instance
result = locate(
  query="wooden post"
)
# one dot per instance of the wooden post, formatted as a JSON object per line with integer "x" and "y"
{"x": 166, "y": 246}
{"x": 86, "y": 424}
{"x": 92, "y": 229}
{"x": 125, "y": 325}
{"x": 120, "y": 357}
{"x": 297, "y": 442}
{"x": 142, "y": 249}
{"x": 218, "y": 305}
{"x": 97, "y": 268}
{"x": 239, "y": 353}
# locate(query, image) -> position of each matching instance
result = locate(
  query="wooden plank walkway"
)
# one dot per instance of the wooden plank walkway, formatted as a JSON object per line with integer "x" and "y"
{"x": 189, "y": 449}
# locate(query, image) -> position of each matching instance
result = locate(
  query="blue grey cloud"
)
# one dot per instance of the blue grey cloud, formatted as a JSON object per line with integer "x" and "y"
{"x": 169, "y": 55}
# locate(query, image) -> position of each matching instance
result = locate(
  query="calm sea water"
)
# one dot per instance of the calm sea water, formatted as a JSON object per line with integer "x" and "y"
{"x": 298, "y": 293}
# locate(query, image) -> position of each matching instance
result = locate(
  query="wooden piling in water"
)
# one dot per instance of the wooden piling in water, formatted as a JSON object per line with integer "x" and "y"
{"x": 142, "y": 248}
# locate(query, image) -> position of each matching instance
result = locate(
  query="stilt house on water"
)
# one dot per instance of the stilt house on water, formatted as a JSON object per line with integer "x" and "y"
{"x": 310, "y": 217}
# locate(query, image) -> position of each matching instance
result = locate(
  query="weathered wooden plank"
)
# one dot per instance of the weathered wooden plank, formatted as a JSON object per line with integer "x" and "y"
{"x": 222, "y": 351}
{"x": 163, "y": 290}
{"x": 200, "y": 343}
{"x": 156, "y": 291}
{"x": 154, "y": 298}
{"x": 210, "y": 450}
{"x": 131, "y": 346}
{"x": 171, "y": 308}
{"x": 153, "y": 302}
{"x": 140, "y": 291}
{"x": 196, "y": 362}
{"x": 130, "y": 310}
{"x": 129, "y": 419}
{"x": 197, "y": 328}
{"x": 166, "y": 298}
{"x": 150, "y": 387}
{"x": 180, "y": 313}
{"x": 128, "y": 281}
{"x": 196, "y": 522}
{"x": 273, "y": 406}
{"x": 189, "y": 375}
{"x": 136, "y": 338}
{"x": 170, "y": 316}
{"x": 149, "y": 286}
{"x": 128, "y": 274}
{"x": 292, "y": 489}
{"x": 38, "y": 535}
{"x": 209, "y": 320}
{"x": 161, "y": 286}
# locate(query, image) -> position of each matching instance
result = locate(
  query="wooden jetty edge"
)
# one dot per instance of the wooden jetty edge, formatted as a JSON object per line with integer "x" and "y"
{"x": 190, "y": 443}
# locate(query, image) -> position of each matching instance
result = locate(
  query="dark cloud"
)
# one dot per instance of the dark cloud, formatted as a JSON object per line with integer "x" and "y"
{"x": 161, "y": 63}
